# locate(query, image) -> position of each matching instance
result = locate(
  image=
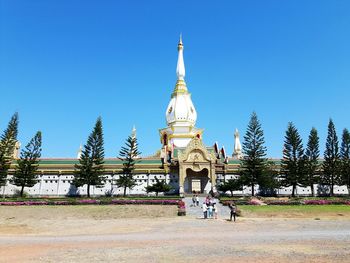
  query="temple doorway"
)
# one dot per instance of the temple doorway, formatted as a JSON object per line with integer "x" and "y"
{"x": 197, "y": 182}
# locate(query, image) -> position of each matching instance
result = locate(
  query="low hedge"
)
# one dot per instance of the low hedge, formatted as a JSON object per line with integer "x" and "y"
{"x": 289, "y": 202}
{"x": 93, "y": 202}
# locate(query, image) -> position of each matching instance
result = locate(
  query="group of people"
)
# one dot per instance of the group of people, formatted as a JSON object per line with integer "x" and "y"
{"x": 210, "y": 208}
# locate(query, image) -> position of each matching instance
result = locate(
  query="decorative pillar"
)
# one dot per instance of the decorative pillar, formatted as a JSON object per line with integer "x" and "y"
{"x": 213, "y": 178}
{"x": 181, "y": 181}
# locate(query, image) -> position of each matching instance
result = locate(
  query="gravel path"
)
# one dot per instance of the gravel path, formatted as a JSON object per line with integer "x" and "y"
{"x": 174, "y": 239}
{"x": 192, "y": 240}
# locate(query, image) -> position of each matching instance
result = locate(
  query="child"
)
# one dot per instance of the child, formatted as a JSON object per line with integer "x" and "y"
{"x": 215, "y": 209}
{"x": 210, "y": 210}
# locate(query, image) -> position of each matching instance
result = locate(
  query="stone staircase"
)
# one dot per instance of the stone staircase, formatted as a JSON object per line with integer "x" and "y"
{"x": 196, "y": 211}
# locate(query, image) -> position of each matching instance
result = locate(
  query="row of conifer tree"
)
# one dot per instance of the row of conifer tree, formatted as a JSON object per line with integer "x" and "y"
{"x": 299, "y": 166}
{"x": 88, "y": 171}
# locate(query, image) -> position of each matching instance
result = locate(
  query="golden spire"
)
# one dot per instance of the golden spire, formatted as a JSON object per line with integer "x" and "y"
{"x": 180, "y": 86}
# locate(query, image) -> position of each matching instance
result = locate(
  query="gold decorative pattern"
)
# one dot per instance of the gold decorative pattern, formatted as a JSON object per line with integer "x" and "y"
{"x": 195, "y": 151}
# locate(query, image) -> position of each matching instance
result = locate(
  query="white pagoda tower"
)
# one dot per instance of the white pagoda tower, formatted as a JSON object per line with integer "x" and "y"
{"x": 180, "y": 114}
{"x": 237, "y": 152}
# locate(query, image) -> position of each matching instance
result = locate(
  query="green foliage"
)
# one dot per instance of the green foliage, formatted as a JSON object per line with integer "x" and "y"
{"x": 126, "y": 181}
{"x": 253, "y": 162}
{"x": 292, "y": 165}
{"x": 90, "y": 170}
{"x": 292, "y": 210}
{"x": 27, "y": 165}
{"x": 268, "y": 181}
{"x": 129, "y": 155}
{"x": 20, "y": 195}
{"x": 231, "y": 185}
{"x": 345, "y": 159}
{"x": 311, "y": 157}
{"x": 159, "y": 187}
{"x": 331, "y": 166}
{"x": 7, "y": 145}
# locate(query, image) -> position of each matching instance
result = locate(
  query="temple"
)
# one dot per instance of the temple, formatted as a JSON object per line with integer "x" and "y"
{"x": 183, "y": 161}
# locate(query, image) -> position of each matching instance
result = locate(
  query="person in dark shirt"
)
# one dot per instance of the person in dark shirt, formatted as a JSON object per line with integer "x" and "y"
{"x": 233, "y": 211}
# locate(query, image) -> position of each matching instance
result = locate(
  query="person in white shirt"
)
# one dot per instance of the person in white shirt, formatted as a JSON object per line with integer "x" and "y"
{"x": 197, "y": 200}
{"x": 205, "y": 210}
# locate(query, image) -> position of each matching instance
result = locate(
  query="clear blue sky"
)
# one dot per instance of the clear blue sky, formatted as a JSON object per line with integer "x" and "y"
{"x": 64, "y": 63}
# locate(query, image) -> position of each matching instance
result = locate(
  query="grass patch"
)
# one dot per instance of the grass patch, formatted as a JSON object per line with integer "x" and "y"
{"x": 78, "y": 212}
{"x": 103, "y": 199}
{"x": 292, "y": 211}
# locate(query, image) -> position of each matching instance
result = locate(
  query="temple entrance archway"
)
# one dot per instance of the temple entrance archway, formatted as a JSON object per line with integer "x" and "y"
{"x": 196, "y": 168}
{"x": 197, "y": 182}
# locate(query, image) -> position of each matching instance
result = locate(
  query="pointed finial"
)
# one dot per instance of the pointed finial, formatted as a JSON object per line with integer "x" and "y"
{"x": 133, "y": 132}
{"x": 237, "y": 152}
{"x": 180, "y": 69}
{"x": 16, "y": 150}
{"x": 80, "y": 151}
{"x": 180, "y": 45}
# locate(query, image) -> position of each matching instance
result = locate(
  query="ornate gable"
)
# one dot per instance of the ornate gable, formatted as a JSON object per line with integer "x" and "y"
{"x": 195, "y": 152}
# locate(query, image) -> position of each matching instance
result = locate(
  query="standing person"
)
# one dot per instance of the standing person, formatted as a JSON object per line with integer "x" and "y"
{"x": 233, "y": 211}
{"x": 205, "y": 210}
{"x": 216, "y": 211}
{"x": 210, "y": 210}
{"x": 197, "y": 200}
{"x": 194, "y": 200}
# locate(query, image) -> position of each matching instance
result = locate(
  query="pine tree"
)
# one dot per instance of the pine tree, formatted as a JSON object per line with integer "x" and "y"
{"x": 331, "y": 165}
{"x": 292, "y": 164}
{"x": 7, "y": 145}
{"x": 253, "y": 161}
{"x": 128, "y": 154}
{"x": 268, "y": 181}
{"x": 25, "y": 173}
{"x": 312, "y": 155}
{"x": 345, "y": 159}
{"x": 159, "y": 187}
{"x": 90, "y": 170}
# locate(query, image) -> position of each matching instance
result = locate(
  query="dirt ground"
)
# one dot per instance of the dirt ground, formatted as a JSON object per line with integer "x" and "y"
{"x": 156, "y": 234}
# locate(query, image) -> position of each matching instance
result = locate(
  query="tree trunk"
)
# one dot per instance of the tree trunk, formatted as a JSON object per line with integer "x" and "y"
{"x": 312, "y": 190}
{"x": 112, "y": 187}
{"x": 231, "y": 193}
{"x": 293, "y": 191}
{"x": 332, "y": 192}
{"x": 3, "y": 191}
{"x": 124, "y": 191}
{"x": 22, "y": 190}
{"x": 252, "y": 189}
{"x": 332, "y": 185}
{"x": 88, "y": 190}
{"x": 157, "y": 194}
